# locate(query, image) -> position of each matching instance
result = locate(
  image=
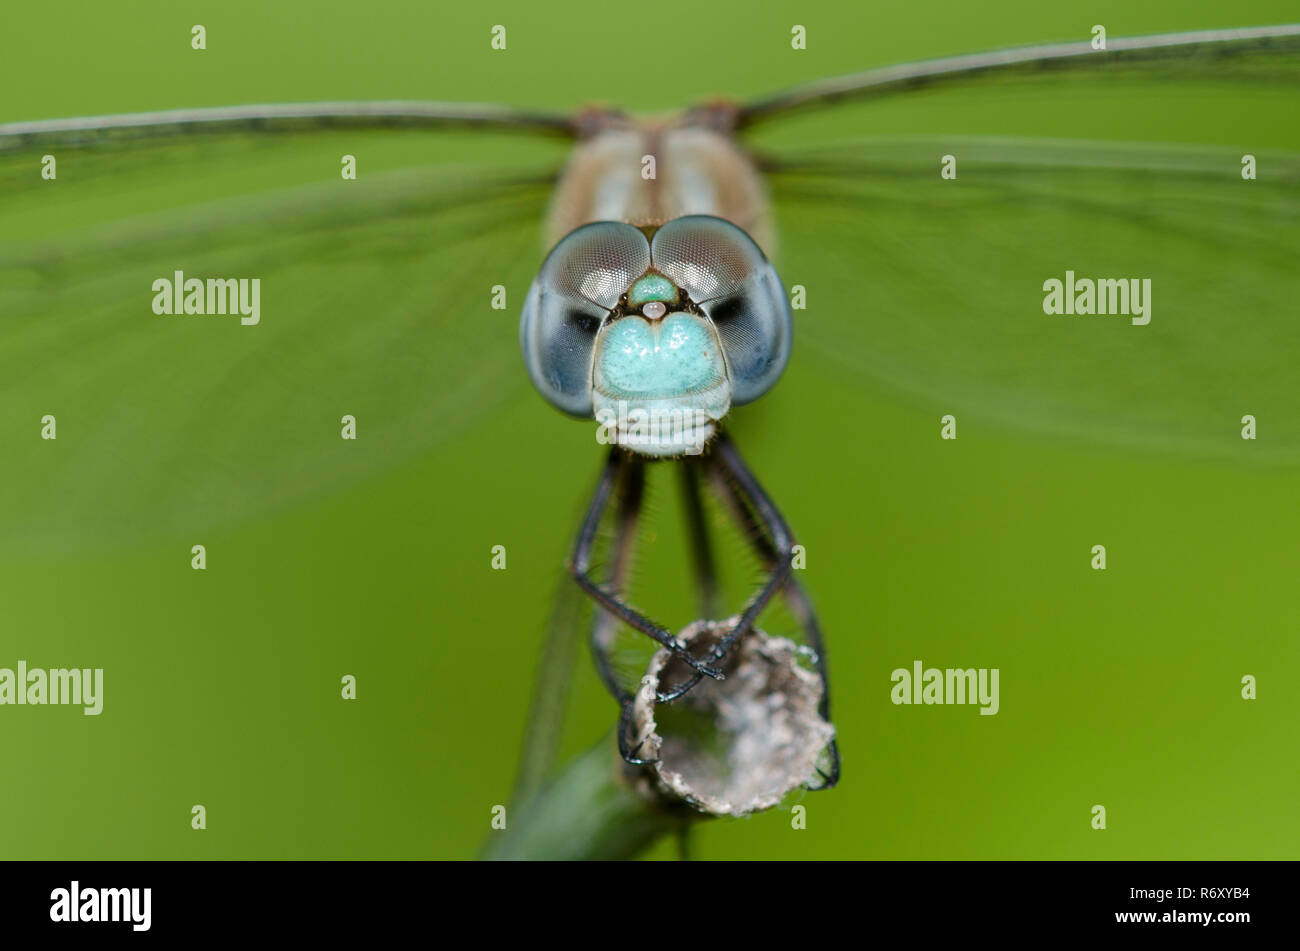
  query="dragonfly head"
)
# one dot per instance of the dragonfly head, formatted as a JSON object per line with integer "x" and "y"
{"x": 656, "y": 332}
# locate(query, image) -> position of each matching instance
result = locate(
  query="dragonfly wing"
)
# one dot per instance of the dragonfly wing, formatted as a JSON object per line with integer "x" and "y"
{"x": 938, "y": 288}
{"x": 391, "y": 298}
{"x": 566, "y": 626}
{"x": 278, "y": 117}
{"x": 575, "y": 616}
{"x": 1262, "y": 50}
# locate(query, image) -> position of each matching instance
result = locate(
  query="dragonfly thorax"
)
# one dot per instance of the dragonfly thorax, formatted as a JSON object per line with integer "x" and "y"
{"x": 648, "y": 173}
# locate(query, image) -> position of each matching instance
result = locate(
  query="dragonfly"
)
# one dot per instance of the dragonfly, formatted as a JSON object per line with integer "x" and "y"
{"x": 655, "y": 312}
{"x": 659, "y": 294}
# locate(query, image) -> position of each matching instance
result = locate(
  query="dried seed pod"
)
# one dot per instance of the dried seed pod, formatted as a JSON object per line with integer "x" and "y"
{"x": 738, "y": 745}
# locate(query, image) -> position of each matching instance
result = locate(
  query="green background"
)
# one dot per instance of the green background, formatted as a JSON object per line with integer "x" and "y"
{"x": 372, "y": 558}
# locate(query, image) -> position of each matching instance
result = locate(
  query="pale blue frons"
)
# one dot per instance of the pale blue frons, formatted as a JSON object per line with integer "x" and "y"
{"x": 665, "y": 358}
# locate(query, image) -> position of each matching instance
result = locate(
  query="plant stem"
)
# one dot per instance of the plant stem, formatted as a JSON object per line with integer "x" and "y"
{"x": 589, "y": 811}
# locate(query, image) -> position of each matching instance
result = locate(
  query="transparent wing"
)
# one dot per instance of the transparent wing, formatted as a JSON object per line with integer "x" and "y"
{"x": 376, "y": 302}
{"x": 567, "y": 627}
{"x": 936, "y": 290}
{"x": 1262, "y": 53}
{"x": 97, "y": 131}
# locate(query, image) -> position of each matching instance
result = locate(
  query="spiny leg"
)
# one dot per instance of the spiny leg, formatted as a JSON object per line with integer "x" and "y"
{"x": 726, "y": 458}
{"x": 803, "y": 613}
{"x": 580, "y": 566}
{"x": 782, "y": 540}
{"x": 604, "y": 626}
{"x": 697, "y": 531}
{"x": 752, "y": 528}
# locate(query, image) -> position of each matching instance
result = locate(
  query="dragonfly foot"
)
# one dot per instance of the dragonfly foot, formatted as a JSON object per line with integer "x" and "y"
{"x": 633, "y": 758}
{"x": 668, "y": 696}
{"x": 699, "y": 666}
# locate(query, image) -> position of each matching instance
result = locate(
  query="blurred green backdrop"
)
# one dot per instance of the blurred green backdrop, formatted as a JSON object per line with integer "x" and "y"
{"x": 372, "y": 558}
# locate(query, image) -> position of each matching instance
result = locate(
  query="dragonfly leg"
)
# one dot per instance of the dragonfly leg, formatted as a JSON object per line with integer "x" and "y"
{"x": 741, "y": 481}
{"x": 631, "y": 754}
{"x": 604, "y": 626}
{"x": 697, "y": 530}
{"x": 580, "y": 566}
{"x": 796, "y": 599}
{"x": 803, "y": 613}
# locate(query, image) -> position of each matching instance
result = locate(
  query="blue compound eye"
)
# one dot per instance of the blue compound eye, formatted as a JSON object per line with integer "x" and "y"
{"x": 580, "y": 282}
{"x": 723, "y": 271}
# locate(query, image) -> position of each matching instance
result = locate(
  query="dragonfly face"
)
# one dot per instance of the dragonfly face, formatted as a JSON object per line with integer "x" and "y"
{"x": 656, "y": 332}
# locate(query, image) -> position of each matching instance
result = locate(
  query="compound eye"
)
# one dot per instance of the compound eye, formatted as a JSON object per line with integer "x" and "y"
{"x": 726, "y": 274}
{"x": 580, "y": 281}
